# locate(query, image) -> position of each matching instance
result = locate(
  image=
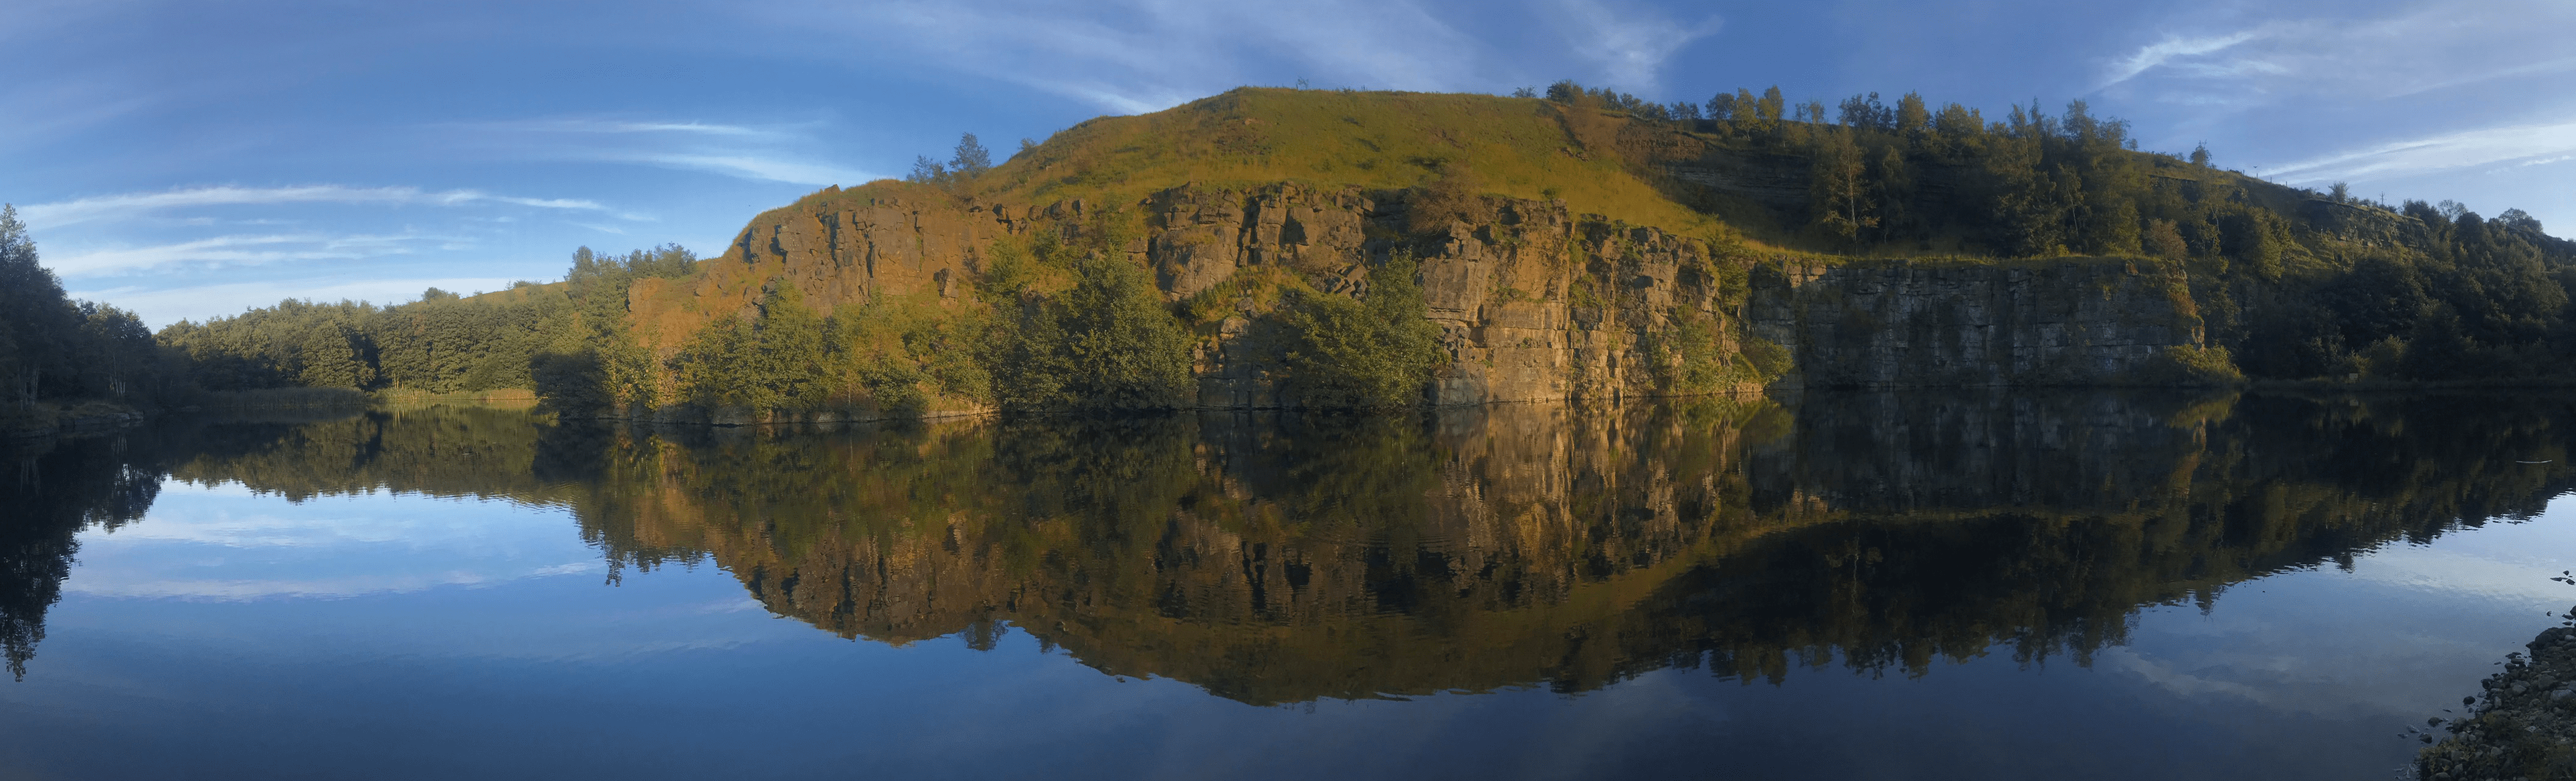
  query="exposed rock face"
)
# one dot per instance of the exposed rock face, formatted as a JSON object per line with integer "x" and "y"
{"x": 1536, "y": 303}
{"x": 1891, "y": 324}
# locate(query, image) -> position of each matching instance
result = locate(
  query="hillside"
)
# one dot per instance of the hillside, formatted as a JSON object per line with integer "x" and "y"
{"x": 1234, "y": 252}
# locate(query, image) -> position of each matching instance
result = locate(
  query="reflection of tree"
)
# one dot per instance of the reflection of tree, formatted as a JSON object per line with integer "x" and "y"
{"x": 56, "y": 489}
{"x": 1275, "y": 558}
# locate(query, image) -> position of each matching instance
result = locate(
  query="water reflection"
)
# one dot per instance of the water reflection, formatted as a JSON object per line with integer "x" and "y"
{"x": 1283, "y": 558}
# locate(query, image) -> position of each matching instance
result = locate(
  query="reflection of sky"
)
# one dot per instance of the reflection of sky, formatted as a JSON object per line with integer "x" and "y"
{"x": 231, "y": 635}
{"x": 226, "y": 542}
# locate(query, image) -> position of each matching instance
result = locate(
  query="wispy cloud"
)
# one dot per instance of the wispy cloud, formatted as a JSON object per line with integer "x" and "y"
{"x": 1630, "y": 45}
{"x": 768, "y": 169}
{"x": 2424, "y": 46}
{"x": 626, "y": 126}
{"x": 1141, "y": 55}
{"x": 2171, "y": 48}
{"x": 53, "y": 215}
{"x": 777, "y": 153}
{"x": 2452, "y": 150}
{"x": 238, "y": 251}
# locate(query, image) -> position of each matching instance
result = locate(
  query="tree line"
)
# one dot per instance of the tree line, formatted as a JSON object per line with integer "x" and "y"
{"x": 55, "y": 348}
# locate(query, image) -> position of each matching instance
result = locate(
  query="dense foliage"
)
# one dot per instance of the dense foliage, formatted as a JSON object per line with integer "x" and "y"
{"x": 442, "y": 343}
{"x": 2295, "y": 284}
{"x": 55, "y": 349}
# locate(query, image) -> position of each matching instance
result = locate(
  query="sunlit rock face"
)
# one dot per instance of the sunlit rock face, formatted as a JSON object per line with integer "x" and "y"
{"x": 1536, "y": 303}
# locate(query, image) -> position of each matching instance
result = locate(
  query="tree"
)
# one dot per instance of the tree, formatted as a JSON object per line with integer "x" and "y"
{"x": 1866, "y": 113}
{"x": 38, "y": 327}
{"x": 972, "y": 160}
{"x": 1838, "y": 196}
{"x": 2164, "y": 240}
{"x": 1107, "y": 343}
{"x": 1722, "y": 106}
{"x": 2200, "y": 154}
{"x": 1377, "y": 352}
{"x": 927, "y": 171}
{"x": 1912, "y": 119}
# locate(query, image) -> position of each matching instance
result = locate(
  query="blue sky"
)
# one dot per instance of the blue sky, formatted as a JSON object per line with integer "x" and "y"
{"x": 190, "y": 159}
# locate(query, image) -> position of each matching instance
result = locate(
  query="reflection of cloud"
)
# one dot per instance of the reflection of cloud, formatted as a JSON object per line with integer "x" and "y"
{"x": 2440, "y": 570}
{"x": 2452, "y": 150}
{"x": 225, "y": 542}
{"x": 48, "y": 215}
{"x": 231, "y": 590}
{"x": 2164, "y": 676}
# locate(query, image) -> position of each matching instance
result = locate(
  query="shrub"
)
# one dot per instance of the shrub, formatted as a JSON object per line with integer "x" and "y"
{"x": 1378, "y": 352}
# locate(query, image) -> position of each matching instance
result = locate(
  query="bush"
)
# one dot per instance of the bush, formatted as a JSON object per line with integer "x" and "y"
{"x": 1107, "y": 343}
{"x": 1379, "y": 352}
{"x": 2192, "y": 366}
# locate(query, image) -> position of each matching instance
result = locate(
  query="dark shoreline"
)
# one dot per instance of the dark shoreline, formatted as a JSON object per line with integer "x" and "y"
{"x": 2523, "y": 726}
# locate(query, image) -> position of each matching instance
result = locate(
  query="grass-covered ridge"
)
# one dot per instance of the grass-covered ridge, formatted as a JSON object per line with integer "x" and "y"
{"x": 1250, "y": 137}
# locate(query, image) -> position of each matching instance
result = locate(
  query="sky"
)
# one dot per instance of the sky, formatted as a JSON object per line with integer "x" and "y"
{"x": 188, "y": 160}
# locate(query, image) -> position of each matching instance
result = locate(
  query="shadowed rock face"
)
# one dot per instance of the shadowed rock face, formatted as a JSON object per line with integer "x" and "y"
{"x": 1275, "y": 557}
{"x": 1891, "y": 324}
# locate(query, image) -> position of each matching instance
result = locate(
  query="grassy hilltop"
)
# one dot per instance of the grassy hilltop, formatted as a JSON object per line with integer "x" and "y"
{"x": 1055, "y": 264}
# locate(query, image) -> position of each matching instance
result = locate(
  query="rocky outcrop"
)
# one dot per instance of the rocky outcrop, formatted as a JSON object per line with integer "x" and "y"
{"x": 1896, "y": 324}
{"x": 1535, "y": 302}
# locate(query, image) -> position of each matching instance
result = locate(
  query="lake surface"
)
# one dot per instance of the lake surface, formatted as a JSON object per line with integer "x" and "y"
{"x": 1928, "y": 585}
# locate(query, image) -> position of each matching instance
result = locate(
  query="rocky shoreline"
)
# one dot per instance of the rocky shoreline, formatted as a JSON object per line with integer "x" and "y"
{"x": 2524, "y": 724}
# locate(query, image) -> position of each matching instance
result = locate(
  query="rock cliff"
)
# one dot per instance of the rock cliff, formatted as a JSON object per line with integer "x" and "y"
{"x": 1893, "y": 323}
{"x": 1536, "y": 303}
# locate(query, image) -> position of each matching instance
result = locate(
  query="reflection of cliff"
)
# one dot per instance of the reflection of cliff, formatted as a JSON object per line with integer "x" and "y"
{"x": 1284, "y": 558}
{"x": 1278, "y": 560}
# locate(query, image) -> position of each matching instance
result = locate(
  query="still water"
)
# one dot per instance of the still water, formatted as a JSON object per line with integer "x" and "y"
{"x": 2095, "y": 585}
